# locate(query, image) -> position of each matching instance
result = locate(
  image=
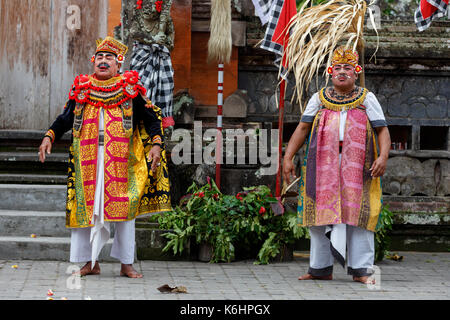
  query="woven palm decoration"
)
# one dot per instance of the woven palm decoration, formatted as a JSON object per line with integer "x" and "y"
{"x": 220, "y": 44}
{"x": 316, "y": 31}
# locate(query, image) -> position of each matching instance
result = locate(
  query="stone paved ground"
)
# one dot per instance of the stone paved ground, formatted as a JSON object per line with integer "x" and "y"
{"x": 423, "y": 276}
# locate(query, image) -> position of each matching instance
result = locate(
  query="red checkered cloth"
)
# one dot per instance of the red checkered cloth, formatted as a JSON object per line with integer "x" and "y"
{"x": 429, "y": 10}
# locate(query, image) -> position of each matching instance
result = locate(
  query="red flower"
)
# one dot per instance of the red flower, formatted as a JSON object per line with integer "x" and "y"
{"x": 139, "y": 4}
{"x": 158, "y": 5}
{"x": 131, "y": 77}
{"x": 84, "y": 78}
{"x": 238, "y": 196}
{"x": 199, "y": 194}
{"x": 262, "y": 210}
{"x": 216, "y": 196}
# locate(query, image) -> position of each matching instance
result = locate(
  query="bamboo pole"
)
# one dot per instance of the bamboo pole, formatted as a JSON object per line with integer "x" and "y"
{"x": 280, "y": 137}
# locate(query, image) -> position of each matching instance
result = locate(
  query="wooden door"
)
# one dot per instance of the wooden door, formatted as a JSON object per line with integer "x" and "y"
{"x": 41, "y": 52}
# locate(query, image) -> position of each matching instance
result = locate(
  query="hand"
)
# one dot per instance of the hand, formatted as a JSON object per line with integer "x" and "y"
{"x": 45, "y": 147}
{"x": 378, "y": 167}
{"x": 155, "y": 157}
{"x": 288, "y": 170}
{"x": 159, "y": 37}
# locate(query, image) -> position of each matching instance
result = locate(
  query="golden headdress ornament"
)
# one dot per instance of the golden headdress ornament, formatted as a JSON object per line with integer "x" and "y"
{"x": 109, "y": 44}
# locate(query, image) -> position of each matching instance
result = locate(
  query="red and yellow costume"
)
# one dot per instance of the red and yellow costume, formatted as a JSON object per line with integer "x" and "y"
{"x": 132, "y": 125}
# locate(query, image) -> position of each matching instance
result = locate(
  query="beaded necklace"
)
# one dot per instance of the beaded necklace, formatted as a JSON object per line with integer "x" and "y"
{"x": 339, "y": 103}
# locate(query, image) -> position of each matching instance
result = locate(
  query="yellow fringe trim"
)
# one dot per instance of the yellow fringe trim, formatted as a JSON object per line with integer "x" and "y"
{"x": 105, "y": 83}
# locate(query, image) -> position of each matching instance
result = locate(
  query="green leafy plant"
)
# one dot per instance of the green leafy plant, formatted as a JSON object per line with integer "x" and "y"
{"x": 382, "y": 239}
{"x": 251, "y": 218}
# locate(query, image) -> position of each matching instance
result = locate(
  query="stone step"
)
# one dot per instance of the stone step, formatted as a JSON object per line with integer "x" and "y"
{"x": 43, "y": 248}
{"x": 32, "y": 156}
{"x": 17, "y": 178}
{"x": 40, "y": 223}
{"x": 32, "y": 197}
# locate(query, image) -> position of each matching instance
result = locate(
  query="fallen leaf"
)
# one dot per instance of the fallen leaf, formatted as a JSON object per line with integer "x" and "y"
{"x": 63, "y": 298}
{"x": 180, "y": 289}
{"x": 33, "y": 235}
{"x": 15, "y": 266}
{"x": 167, "y": 289}
{"x": 50, "y": 298}
{"x": 50, "y": 292}
{"x": 395, "y": 257}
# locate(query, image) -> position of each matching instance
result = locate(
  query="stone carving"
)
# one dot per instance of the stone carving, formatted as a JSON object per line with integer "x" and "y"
{"x": 153, "y": 23}
{"x": 409, "y": 177}
{"x": 148, "y": 22}
{"x": 148, "y": 27}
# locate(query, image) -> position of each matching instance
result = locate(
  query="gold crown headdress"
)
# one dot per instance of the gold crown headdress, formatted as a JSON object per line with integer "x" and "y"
{"x": 109, "y": 44}
{"x": 343, "y": 55}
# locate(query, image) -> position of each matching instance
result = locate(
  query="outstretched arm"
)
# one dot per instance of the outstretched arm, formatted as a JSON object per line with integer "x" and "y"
{"x": 384, "y": 141}
{"x": 295, "y": 143}
{"x": 62, "y": 124}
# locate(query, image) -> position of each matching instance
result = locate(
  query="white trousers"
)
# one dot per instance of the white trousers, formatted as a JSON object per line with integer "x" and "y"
{"x": 86, "y": 243}
{"x": 360, "y": 251}
{"x": 123, "y": 248}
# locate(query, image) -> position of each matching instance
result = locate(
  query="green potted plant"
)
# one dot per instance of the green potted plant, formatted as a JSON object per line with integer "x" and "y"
{"x": 219, "y": 223}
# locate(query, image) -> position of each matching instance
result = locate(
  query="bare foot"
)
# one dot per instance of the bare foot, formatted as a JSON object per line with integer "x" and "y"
{"x": 311, "y": 277}
{"x": 364, "y": 279}
{"x": 87, "y": 270}
{"x": 127, "y": 270}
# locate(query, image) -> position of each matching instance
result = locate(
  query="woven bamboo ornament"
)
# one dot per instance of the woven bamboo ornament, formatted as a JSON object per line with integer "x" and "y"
{"x": 315, "y": 33}
{"x": 220, "y": 43}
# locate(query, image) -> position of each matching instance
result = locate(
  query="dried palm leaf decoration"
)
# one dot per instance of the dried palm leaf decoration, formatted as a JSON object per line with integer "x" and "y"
{"x": 220, "y": 44}
{"x": 316, "y": 31}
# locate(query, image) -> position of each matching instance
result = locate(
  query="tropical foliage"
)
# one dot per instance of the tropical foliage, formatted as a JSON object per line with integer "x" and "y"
{"x": 382, "y": 239}
{"x": 251, "y": 218}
